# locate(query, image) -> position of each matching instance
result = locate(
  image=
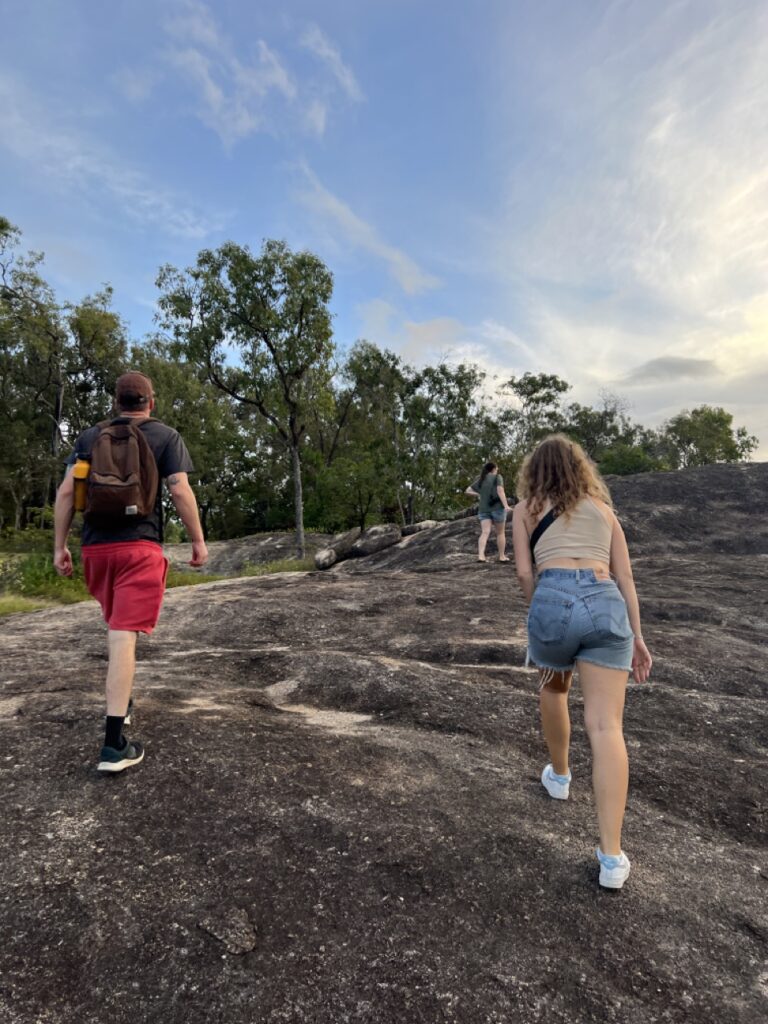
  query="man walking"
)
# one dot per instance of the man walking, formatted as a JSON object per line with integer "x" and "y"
{"x": 123, "y": 560}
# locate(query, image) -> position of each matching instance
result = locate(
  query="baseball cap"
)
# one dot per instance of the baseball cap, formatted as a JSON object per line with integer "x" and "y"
{"x": 133, "y": 390}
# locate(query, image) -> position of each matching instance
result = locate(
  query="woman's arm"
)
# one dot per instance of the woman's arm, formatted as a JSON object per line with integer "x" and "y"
{"x": 471, "y": 493}
{"x": 521, "y": 544}
{"x": 501, "y": 493}
{"x": 621, "y": 567}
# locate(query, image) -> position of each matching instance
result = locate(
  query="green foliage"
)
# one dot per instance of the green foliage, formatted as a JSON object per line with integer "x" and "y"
{"x": 622, "y": 459}
{"x": 538, "y": 413}
{"x": 705, "y": 435}
{"x": 58, "y": 365}
{"x": 33, "y": 576}
{"x": 271, "y": 311}
{"x": 282, "y": 429}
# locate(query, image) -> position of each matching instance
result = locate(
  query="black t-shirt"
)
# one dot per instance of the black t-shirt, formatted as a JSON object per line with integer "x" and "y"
{"x": 171, "y": 456}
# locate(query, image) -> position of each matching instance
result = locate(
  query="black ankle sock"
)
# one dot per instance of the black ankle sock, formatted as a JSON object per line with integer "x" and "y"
{"x": 114, "y": 733}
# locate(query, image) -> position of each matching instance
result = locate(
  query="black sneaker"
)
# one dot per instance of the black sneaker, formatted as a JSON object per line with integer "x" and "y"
{"x": 112, "y": 760}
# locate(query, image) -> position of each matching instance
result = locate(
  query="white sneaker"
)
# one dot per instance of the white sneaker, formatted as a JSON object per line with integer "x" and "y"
{"x": 557, "y": 790}
{"x": 614, "y": 871}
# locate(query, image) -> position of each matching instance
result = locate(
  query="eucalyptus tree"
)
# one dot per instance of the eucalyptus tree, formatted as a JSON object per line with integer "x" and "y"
{"x": 260, "y": 328}
{"x": 705, "y": 435}
{"x": 59, "y": 363}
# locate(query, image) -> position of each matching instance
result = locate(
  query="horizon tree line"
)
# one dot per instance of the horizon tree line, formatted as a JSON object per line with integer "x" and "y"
{"x": 287, "y": 430}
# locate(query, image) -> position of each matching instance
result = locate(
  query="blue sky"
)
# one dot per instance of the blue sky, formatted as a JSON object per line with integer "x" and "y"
{"x": 577, "y": 186}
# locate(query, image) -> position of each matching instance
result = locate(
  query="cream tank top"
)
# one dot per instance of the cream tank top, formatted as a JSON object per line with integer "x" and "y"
{"x": 585, "y": 533}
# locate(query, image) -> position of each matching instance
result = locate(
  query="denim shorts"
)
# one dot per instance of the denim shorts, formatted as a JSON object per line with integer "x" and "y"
{"x": 499, "y": 515}
{"x": 576, "y": 616}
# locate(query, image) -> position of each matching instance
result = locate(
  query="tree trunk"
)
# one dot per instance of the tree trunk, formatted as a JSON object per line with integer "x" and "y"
{"x": 410, "y": 508}
{"x": 298, "y": 500}
{"x": 58, "y": 415}
{"x": 400, "y": 506}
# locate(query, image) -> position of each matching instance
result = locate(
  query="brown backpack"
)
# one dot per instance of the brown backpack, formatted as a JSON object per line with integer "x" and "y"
{"x": 123, "y": 481}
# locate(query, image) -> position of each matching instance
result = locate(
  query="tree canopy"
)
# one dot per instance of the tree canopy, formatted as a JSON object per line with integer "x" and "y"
{"x": 285, "y": 427}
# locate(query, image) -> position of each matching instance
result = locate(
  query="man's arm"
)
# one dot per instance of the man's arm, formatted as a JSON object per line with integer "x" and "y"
{"x": 63, "y": 513}
{"x": 184, "y": 499}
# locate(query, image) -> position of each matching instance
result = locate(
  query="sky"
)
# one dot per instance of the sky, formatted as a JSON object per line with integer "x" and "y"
{"x": 576, "y": 187}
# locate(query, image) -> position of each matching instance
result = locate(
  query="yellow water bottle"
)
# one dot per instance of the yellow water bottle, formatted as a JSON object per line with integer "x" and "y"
{"x": 80, "y": 473}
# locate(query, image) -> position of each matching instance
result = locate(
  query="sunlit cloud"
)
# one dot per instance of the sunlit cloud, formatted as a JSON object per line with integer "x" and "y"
{"x": 641, "y": 222}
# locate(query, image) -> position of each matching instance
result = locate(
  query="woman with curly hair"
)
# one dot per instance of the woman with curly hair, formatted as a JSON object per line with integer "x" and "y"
{"x": 583, "y": 611}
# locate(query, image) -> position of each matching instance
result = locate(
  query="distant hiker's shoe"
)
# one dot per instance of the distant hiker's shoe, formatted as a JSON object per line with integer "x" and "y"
{"x": 614, "y": 871}
{"x": 113, "y": 760}
{"x": 554, "y": 784}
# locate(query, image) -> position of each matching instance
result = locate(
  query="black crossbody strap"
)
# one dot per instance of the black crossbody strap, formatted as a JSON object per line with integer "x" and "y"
{"x": 543, "y": 525}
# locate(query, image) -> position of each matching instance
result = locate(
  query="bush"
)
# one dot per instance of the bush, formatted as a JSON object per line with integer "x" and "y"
{"x": 33, "y": 575}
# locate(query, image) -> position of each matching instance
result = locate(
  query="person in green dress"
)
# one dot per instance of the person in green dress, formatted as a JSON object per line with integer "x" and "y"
{"x": 492, "y": 509}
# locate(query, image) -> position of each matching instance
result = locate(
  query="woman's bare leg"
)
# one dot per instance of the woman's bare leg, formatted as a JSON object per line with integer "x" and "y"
{"x": 555, "y": 720}
{"x": 501, "y": 540}
{"x": 604, "y": 690}
{"x": 485, "y": 532}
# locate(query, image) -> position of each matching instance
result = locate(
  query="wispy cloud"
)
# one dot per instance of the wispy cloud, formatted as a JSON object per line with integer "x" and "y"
{"x": 357, "y": 232}
{"x": 231, "y": 93}
{"x": 318, "y": 43}
{"x": 75, "y": 162}
{"x": 236, "y": 94}
{"x": 135, "y": 84}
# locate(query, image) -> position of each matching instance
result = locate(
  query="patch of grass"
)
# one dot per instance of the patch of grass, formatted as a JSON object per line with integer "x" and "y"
{"x": 281, "y": 565}
{"x": 29, "y": 581}
{"x": 179, "y": 578}
{"x": 12, "y": 604}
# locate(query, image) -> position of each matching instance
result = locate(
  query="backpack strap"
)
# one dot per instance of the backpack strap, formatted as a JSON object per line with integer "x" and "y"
{"x": 541, "y": 527}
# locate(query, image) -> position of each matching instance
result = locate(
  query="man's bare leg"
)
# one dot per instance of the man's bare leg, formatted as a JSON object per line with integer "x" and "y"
{"x": 122, "y": 668}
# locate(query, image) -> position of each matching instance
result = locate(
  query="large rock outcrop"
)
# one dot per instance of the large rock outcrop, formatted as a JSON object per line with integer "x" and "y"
{"x": 376, "y": 538}
{"x": 338, "y": 547}
{"x": 230, "y": 557}
{"x": 339, "y": 816}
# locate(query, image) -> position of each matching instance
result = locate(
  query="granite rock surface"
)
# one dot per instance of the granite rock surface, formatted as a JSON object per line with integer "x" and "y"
{"x": 339, "y": 817}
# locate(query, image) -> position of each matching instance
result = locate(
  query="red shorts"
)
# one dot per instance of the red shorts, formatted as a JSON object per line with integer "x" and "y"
{"x": 128, "y": 581}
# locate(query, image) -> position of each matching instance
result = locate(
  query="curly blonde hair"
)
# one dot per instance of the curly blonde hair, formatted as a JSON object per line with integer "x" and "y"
{"x": 558, "y": 470}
